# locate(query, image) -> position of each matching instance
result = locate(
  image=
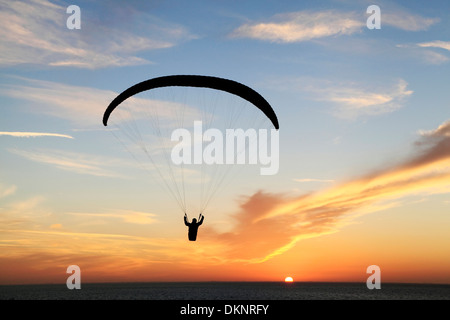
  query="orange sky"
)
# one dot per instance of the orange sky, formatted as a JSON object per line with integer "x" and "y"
{"x": 364, "y": 142}
{"x": 393, "y": 217}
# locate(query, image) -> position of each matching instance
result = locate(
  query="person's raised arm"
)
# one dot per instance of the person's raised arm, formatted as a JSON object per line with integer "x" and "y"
{"x": 185, "y": 220}
{"x": 201, "y": 218}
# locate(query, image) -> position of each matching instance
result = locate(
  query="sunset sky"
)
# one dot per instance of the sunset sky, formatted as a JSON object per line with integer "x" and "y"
{"x": 364, "y": 175}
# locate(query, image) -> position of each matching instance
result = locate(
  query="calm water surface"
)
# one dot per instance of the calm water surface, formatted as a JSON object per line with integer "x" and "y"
{"x": 226, "y": 291}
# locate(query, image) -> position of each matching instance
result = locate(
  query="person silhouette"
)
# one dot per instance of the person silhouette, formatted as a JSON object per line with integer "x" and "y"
{"x": 193, "y": 226}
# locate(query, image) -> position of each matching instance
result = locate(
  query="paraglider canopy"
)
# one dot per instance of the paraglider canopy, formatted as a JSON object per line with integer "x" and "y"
{"x": 230, "y": 86}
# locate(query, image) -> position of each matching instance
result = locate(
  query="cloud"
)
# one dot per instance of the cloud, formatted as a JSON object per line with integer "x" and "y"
{"x": 301, "y": 26}
{"x": 436, "y": 44}
{"x": 432, "y": 56}
{"x": 84, "y": 106}
{"x": 309, "y": 25}
{"x": 36, "y": 33}
{"x": 72, "y": 161}
{"x": 127, "y": 216}
{"x": 353, "y": 100}
{"x": 425, "y": 53}
{"x": 404, "y": 20}
{"x": 34, "y": 134}
{"x": 441, "y": 132}
{"x": 269, "y": 224}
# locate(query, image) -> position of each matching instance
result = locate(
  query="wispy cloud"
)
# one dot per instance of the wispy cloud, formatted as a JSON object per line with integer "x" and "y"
{"x": 34, "y": 134}
{"x": 72, "y": 161}
{"x": 407, "y": 21}
{"x": 436, "y": 44}
{"x": 426, "y": 51}
{"x": 127, "y": 216}
{"x": 432, "y": 56}
{"x": 35, "y": 32}
{"x": 84, "y": 106}
{"x": 301, "y": 26}
{"x": 353, "y": 100}
{"x": 309, "y": 25}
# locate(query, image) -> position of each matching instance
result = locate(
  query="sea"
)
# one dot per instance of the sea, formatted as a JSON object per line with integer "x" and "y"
{"x": 224, "y": 300}
{"x": 243, "y": 291}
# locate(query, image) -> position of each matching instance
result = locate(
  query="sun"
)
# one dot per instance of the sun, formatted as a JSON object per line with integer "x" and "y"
{"x": 288, "y": 279}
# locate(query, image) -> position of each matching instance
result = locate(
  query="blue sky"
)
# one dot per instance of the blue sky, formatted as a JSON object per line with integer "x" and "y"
{"x": 350, "y": 100}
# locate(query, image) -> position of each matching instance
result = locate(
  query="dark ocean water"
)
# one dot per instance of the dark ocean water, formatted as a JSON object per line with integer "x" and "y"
{"x": 226, "y": 291}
